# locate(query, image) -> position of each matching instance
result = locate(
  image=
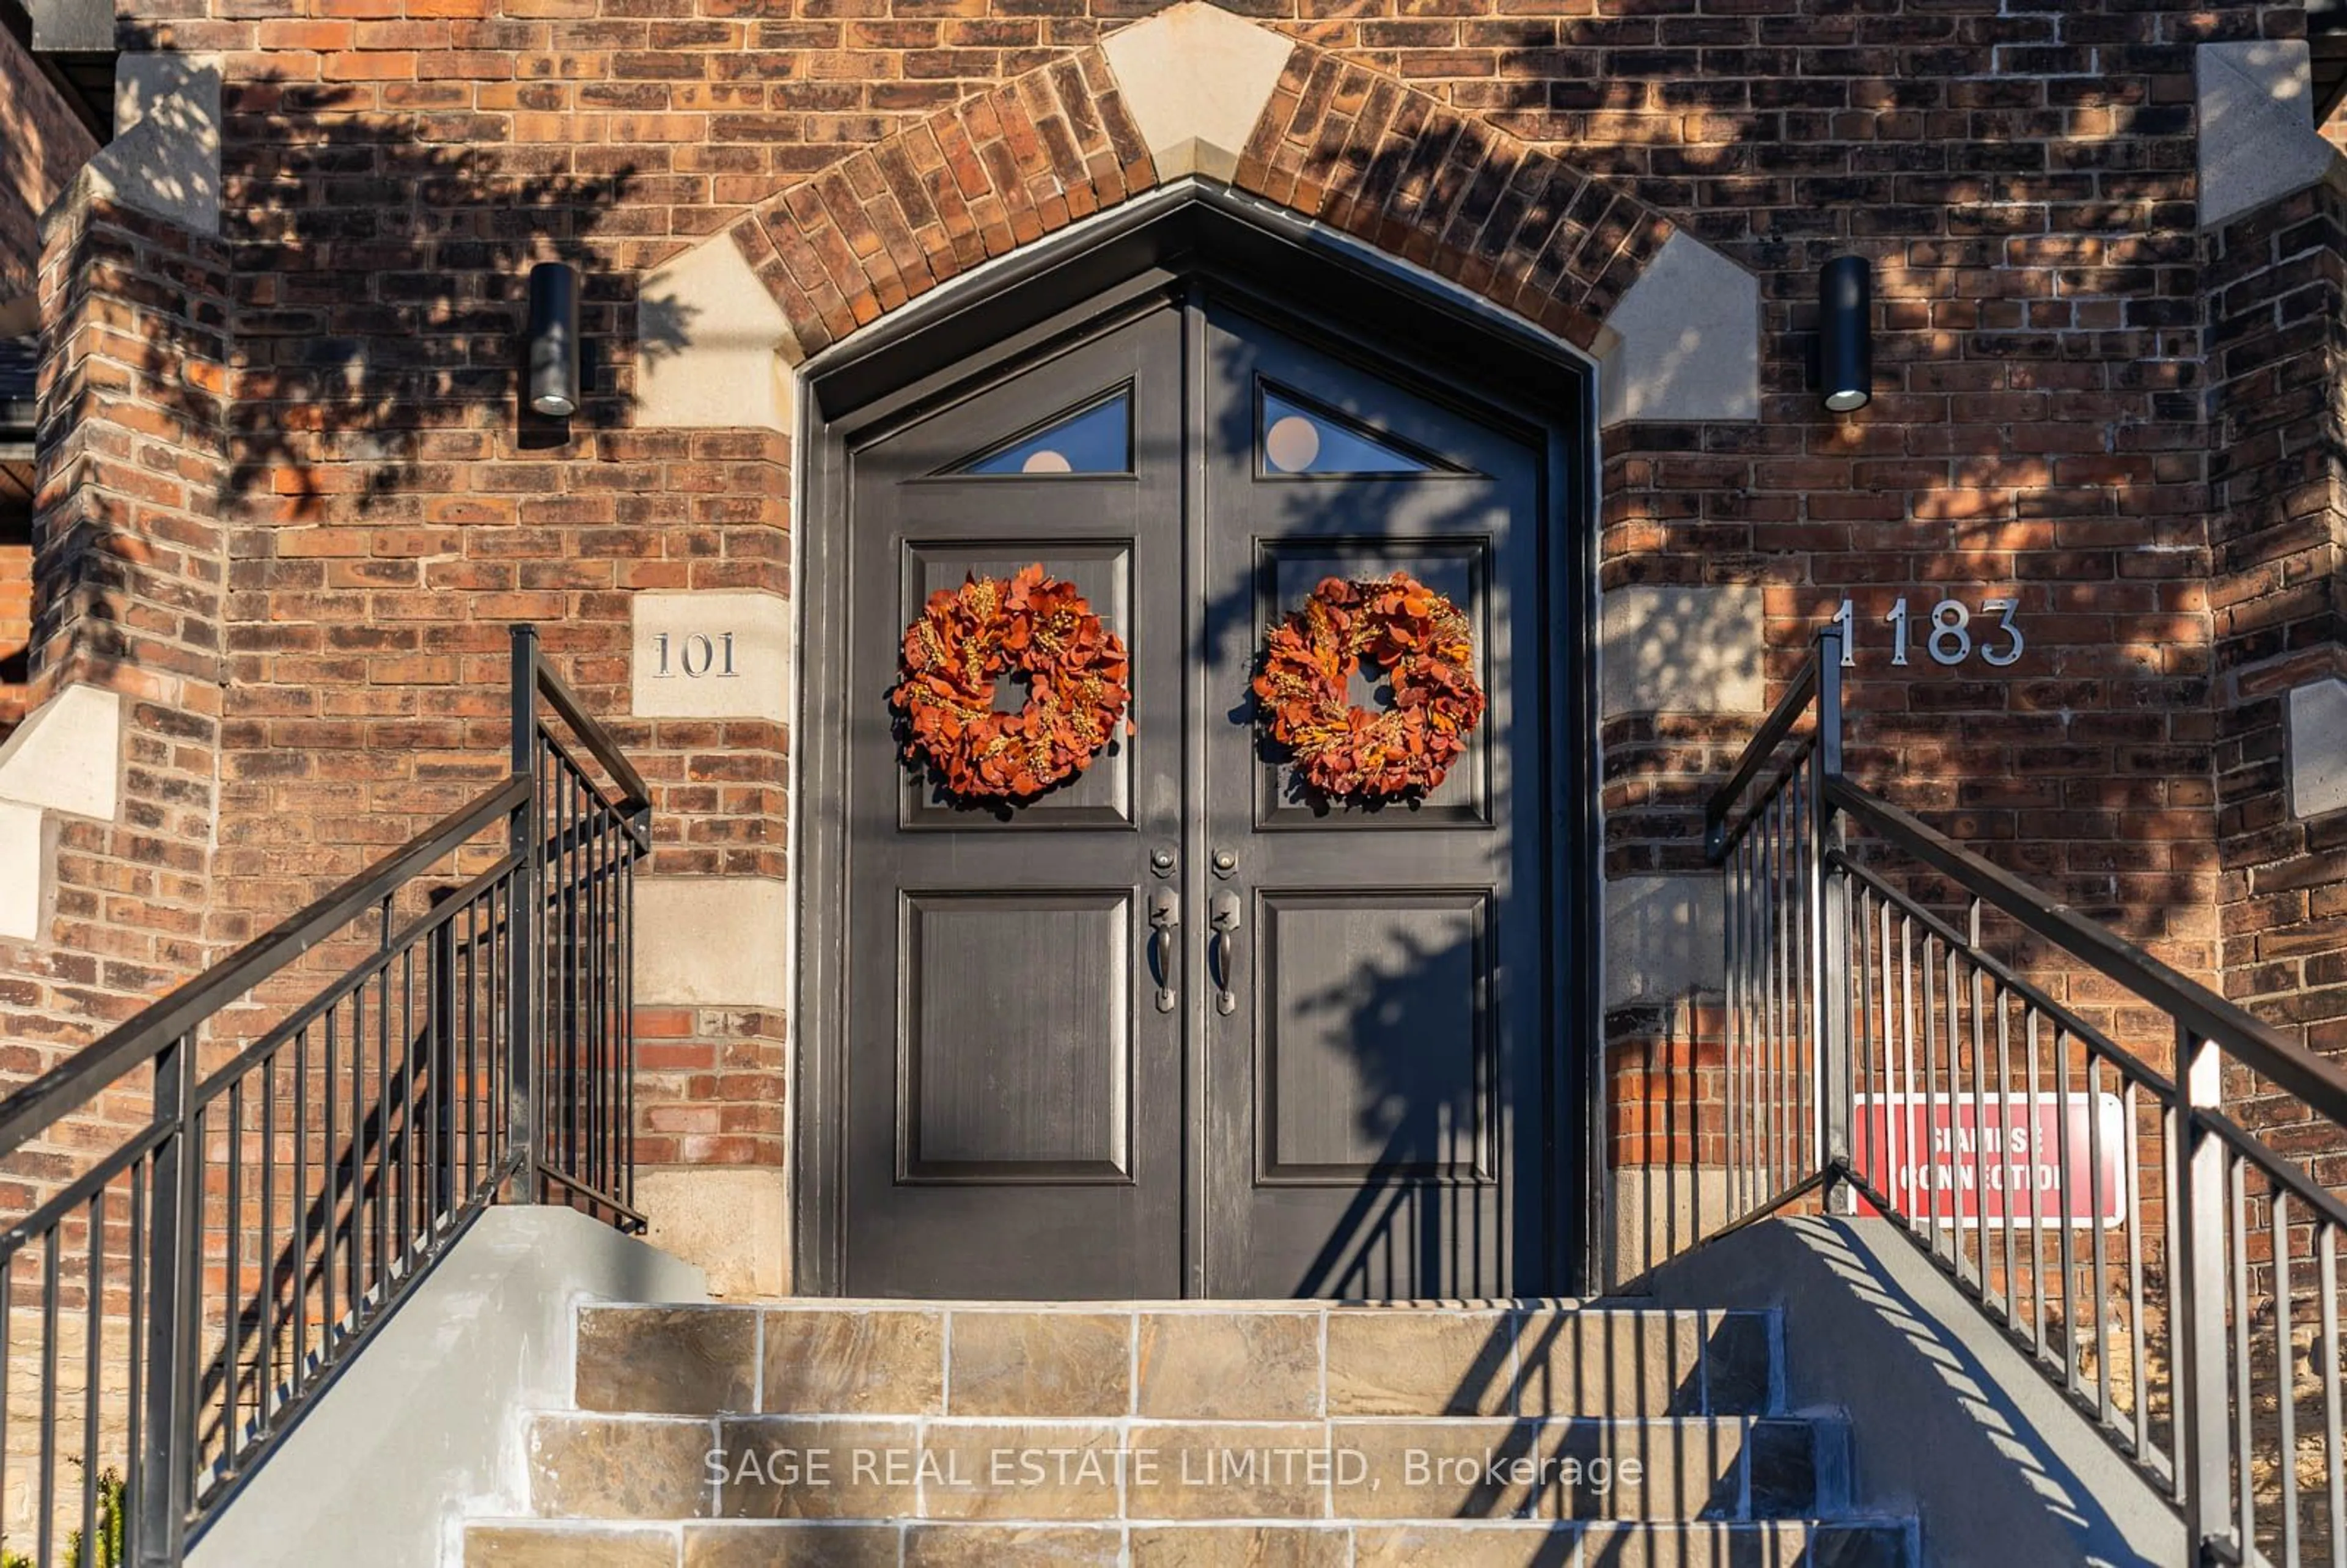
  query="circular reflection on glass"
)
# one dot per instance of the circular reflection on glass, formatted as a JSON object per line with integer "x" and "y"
{"x": 1291, "y": 444}
{"x": 1046, "y": 462}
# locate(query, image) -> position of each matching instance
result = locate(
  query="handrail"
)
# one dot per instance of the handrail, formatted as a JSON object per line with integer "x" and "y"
{"x": 1789, "y": 712}
{"x": 597, "y": 740}
{"x": 2143, "y": 1245}
{"x": 2258, "y": 1045}
{"x": 65, "y": 1088}
{"x": 221, "y": 1258}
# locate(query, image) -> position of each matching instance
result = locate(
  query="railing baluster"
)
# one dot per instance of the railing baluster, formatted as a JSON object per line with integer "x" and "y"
{"x": 2201, "y": 1345}
{"x": 2005, "y": 1164}
{"x": 2036, "y": 1216}
{"x": 1930, "y": 1152}
{"x": 2101, "y": 1294}
{"x": 2285, "y": 1338}
{"x": 2172, "y": 1170}
{"x": 2136, "y": 1327}
{"x": 1911, "y": 1155}
{"x": 165, "y": 1467}
{"x": 358, "y": 1291}
{"x": 2065, "y": 1209}
{"x": 2326, "y": 1262}
{"x": 266, "y": 1257}
{"x": 93, "y": 1370}
{"x": 135, "y": 1351}
{"x": 1979, "y": 1141}
{"x": 300, "y": 1206}
{"x": 231, "y": 1294}
{"x": 626, "y": 961}
{"x": 46, "y": 1499}
{"x": 470, "y": 1034}
{"x": 401, "y": 1135}
{"x": 2236, "y": 1240}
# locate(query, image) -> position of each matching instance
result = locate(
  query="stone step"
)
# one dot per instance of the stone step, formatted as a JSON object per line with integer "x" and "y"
{"x": 538, "y": 1544}
{"x": 618, "y": 1467}
{"x": 1226, "y": 1361}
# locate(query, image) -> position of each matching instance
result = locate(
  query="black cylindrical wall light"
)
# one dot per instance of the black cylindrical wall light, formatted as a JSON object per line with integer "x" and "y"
{"x": 553, "y": 380}
{"x": 1846, "y": 333}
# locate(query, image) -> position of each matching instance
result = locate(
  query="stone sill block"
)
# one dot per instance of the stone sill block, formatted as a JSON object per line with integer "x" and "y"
{"x": 614, "y": 1467}
{"x": 1856, "y": 1544}
{"x": 1205, "y": 1361}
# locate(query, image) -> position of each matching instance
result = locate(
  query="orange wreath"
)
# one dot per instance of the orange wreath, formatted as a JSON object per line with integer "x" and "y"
{"x": 967, "y": 639}
{"x": 1419, "y": 638}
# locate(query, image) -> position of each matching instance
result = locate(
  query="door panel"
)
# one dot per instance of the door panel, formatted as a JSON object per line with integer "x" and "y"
{"x": 1014, "y": 1094}
{"x": 1373, "y": 1094}
{"x": 1373, "y": 1019}
{"x": 1018, "y": 1062}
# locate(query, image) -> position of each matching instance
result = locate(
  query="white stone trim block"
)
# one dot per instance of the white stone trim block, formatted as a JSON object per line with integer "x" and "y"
{"x": 24, "y": 861}
{"x": 2317, "y": 748}
{"x": 1676, "y": 648}
{"x": 1660, "y": 1211}
{"x": 714, "y": 350}
{"x": 732, "y": 1223}
{"x": 2258, "y": 141}
{"x": 1663, "y": 937}
{"x": 1196, "y": 80}
{"x": 1684, "y": 342}
{"x": 712, "y": 941}
{"x": 68, "y": 756}
{"x": 165, "y": 157}
{"x": 727, "y": 655}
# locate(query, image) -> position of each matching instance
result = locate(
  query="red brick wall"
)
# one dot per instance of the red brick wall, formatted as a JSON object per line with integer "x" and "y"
{"x": 2277, "y": 283}
{"x": 127, "y": 597}
{"x": 41, "y": 146}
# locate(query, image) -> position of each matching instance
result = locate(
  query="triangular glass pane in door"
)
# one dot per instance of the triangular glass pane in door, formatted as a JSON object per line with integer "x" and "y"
{"x": 1096, "y": 438}
{"x": 1300, "y": 438}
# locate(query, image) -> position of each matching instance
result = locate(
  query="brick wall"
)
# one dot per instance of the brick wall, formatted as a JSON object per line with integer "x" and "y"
{"x": 41, "y": 145}
{"x": 2277, "y": 283}
{"x": 128, "y": 564}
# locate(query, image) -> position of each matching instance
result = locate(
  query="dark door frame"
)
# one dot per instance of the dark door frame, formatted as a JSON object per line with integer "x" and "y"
{"x": 1349, "y": 301}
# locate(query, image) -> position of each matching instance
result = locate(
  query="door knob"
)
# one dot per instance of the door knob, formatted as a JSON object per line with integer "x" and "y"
{"x": 1164, "y": 920}
{"x": 1225, "y": 914}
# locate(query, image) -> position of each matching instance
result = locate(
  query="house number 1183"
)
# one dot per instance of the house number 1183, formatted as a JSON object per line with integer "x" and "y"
{"x": 698, "y": 654}
{"x": 1946, "y": 634}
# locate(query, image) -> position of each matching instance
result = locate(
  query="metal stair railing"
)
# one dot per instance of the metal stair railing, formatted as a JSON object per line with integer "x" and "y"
{"x": 1914, "y": 1032}
{"x": 210, "y": 1209}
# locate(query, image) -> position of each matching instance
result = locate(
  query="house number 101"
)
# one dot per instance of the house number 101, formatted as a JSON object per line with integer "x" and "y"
{"x": 1947, "y": 635}
{"x": 698, "y": 654}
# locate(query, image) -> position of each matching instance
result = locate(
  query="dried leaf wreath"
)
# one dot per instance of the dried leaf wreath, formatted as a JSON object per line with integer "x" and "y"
{"x": 1419, "y": 639}
{"x": 969, "y": 637}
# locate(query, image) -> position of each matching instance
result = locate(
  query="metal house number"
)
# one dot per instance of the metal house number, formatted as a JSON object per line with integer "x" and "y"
{"x": 698, "y": 655}
{"x": 1947, "y": 634}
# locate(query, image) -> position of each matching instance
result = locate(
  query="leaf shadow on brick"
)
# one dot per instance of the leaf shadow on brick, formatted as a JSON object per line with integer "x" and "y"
{"x": 378, "y": 264}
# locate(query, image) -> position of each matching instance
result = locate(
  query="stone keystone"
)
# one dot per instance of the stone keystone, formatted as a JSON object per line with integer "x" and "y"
{"x": 1196, "y": 80}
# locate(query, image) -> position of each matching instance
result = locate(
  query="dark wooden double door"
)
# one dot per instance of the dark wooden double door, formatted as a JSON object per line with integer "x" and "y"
{"x": 1180, "y": 1027}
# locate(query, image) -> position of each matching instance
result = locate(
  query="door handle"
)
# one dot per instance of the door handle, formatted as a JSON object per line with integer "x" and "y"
{"x": 1223, "y": 951}
{"x": 1164, "y": 920}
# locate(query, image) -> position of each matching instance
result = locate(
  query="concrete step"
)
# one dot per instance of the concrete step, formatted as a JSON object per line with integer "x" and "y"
{"x": 539, "y": 1544}
{"x": 1226, "y": 1361}
{"x": 622, "y": 1467}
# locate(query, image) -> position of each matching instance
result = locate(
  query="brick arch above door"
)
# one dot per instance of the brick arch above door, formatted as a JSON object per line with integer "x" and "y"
{"x": 1197, "y": 92}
